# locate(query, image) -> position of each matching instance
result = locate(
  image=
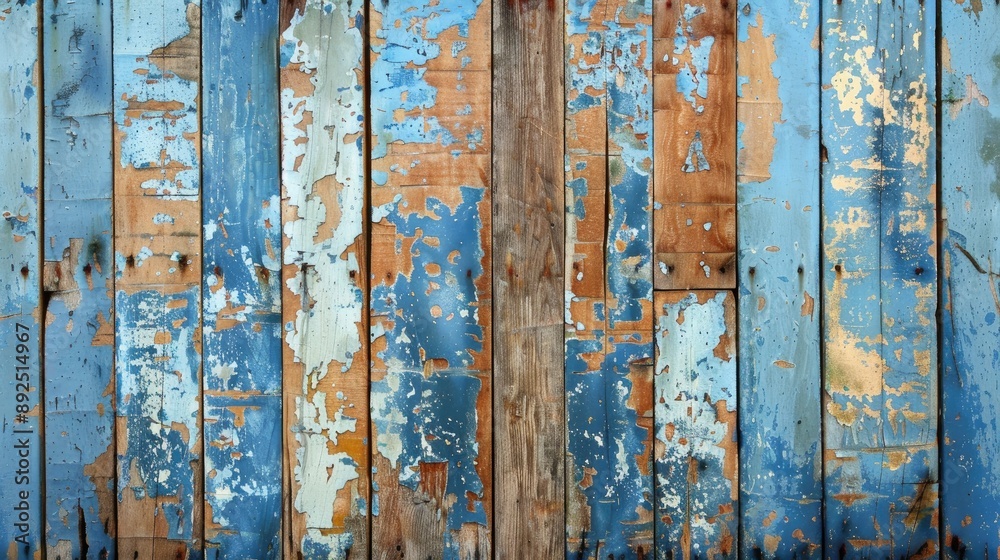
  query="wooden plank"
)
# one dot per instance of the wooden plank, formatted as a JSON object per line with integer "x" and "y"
{"x": 157, "y": 225}
{"x": 430, "y": 299}
{"x": 20, "y": 280}
{"x": 880, "y": 279}
{"x": 778, "y": 164}
{"x": 325, "y": 275}
{"x": 241, "y": 270}
{"x": 694, "y": 119}
{"x": 694, "y": 396}
{"x": 970, "y": 185}
{"x": 609, "y": 281}
{"x": 530, "y": 441}
{"x": 79, "y": 335}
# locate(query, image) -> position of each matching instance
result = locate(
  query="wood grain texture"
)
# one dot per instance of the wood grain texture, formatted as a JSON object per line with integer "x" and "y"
{"x": 778, "y": 208}
{"x": 694, "y": 123}
{"x": 22, "y": 486}
{"x": 970, "y": 199}
{"x": 241, "y": 270}
{"x": 609, "y": 280}
{"x": 528, "y": 250}
{"x": 431, "y": 326}
{"x": 157, "y": 237}
{"x": 79, "y": 336}
{"x": 880, "y": 279}
{"x": 694, "y": 396}
{"x": 325, "y": 280}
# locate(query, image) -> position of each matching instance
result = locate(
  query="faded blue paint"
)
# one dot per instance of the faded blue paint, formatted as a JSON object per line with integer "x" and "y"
{"x": 20, "y": 281}
{"x": 692, "y": 80}
{"x": 781, "y": 488}
{"x": 79, "y": 393}
{"x": 242, "y": 280}
{"x": 970, "y": 189}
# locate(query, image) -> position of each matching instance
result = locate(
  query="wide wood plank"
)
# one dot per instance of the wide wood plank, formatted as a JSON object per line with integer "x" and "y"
{"x": 79, "y": 354}
{"x": 880, "y": 279}
{"x": 324, "y": 272}
{"x": 157, "y": 237}
{"x": 241, "y": 274}
{"x": 778, "y": 211}
{"x": 21, "y": 519}
{"x": 529, "y": 292}
{"x": 970, "y": 187}
{"x": 430, "y": 301}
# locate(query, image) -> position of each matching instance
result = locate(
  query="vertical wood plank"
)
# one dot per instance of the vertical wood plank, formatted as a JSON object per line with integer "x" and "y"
{"x": 431, "y": 294}
{"x": 20, "y": 280}
{"x": 778, "y": 163}
{"x": 324, "y": 271}
{"x": 695, "y": 420}
{"x": 970, "y": 188}
{"x": 157, "y": 225}
{"x": 241, "y": 280}
{"x": 528, "y": 249}
{"x": 694, "y": 119}
{"x": 880, "y": 279}
{"x": 79, "y": 335}
{"x": 609, "y": 280}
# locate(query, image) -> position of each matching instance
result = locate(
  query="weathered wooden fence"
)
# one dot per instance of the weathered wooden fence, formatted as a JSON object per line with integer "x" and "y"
{"x": 530, "y": 279}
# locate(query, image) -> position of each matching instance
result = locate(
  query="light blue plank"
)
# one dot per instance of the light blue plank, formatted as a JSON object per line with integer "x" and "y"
{"x": 778, "y": 163}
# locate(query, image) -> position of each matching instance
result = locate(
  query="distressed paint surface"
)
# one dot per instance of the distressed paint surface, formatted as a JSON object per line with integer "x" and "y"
{"x": 880, "y": 279}
{"x": 79, "y": 333}
{"x": 608, "y": 275}
{"x": 694, "y": 396}
{"x": 157, "y": 227}
{"x": 20, "y": 280}
{"x": 778, "y": 163}
{"x": 970, "y": 197}
{"x": 324, "y": 274}
{"x": 694, "y": 114}
{"x": 241, "y": 297}
{"x": 430, "y": 299}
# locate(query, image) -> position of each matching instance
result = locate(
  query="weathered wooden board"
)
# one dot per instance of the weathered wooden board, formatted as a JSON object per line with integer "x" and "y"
{"x": 430, "y": 298}
{"x": 79, "y": 334}
{"x": 241, "y": 301}
{"x": 21, "y": 518}
{"x": 778, "y": 162}
{"x": 609, "y": 280}
{"x": 157, "y": 237}
{"x": 970, "y": 198}
{"x": 528, "y": 291}
{"x": 694, "y": 396}
{"x": 880, "y": 279}
{"x": 324, "y": 271}
{"x": 694, "y": 123}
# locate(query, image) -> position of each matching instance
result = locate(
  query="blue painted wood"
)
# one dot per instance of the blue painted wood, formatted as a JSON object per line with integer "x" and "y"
{"x": 21, "y": 487}
{"x": 242, "y": 273}
{"x": 778, "y": 210}
{"x": 880, "y": 279}
{"x": 970, "y": 199}
{"x": 79, "y": 338}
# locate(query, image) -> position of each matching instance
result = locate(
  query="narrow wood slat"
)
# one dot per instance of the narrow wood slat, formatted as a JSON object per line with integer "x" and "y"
{"x": 880, "y": 279}
{"x": 79, "y": 336}
{"x": 697, "y": 493}
{"x": 778, "y": 163}
{"x": 609, "y": 281}
{"x": 970, "y": 187}
{"x": 528, "y": 244}
{"x": 430, "y": 298}
{"x": 326, "y": 464}
{"x": 157, "y": 237}
{"x": 21, "y": 519}
{"x": 241, "y": 272}
{"x": 694, "y": 122}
